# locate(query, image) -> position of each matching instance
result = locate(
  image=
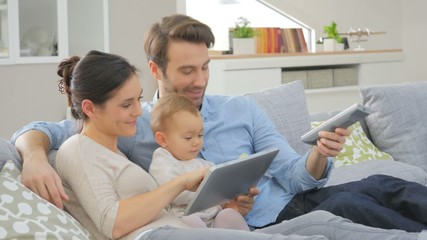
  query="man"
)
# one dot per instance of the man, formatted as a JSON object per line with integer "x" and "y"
{"x": 177, "y": 51}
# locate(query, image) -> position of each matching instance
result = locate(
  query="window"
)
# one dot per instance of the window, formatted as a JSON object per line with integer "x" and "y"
{"x": 46, "y": 31}
{"x": 38, "y": 36}
{"x": 4, "y": 36}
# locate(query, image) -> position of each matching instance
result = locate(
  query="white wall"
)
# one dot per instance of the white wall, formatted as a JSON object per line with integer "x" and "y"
{"x": 404, "y": 22}
{"x": 414, "y": 35}
{"x": 28, "y": 92}
{"x": 379, "y": 15}
{"x": 86, "y": 18}
{"x": 129, "y": 19}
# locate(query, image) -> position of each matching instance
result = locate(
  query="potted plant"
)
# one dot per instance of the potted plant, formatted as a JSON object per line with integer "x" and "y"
{"x": 244, "y": 41}
{"x": 334, "y": 41}
{"x": 242, "y": 29}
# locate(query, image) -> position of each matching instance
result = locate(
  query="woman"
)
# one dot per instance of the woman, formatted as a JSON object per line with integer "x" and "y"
{"x": 108, "y": 194}
{"x": 113, "y": 198}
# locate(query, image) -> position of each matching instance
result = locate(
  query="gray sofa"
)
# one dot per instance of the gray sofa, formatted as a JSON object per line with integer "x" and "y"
{"x": 397, "y": 126}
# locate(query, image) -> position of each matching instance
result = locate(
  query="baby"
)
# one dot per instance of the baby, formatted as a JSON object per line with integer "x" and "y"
{"x": 178, "y": 128}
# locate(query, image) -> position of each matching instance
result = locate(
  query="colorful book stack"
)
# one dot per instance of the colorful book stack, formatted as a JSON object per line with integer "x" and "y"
{"x": 280, "y": 40}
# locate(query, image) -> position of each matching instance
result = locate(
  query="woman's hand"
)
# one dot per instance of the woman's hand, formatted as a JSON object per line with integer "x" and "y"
{"x": 151, "y": 203}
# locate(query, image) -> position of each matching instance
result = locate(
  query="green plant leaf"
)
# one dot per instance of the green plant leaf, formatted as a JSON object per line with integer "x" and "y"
{"x": 332, "y": 32}
{"x": 242, "y": 29}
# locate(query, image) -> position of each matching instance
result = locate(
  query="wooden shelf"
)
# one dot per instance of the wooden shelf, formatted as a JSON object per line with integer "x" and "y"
{"x": 215, "y": 55}
{"x": 260, "y": 61}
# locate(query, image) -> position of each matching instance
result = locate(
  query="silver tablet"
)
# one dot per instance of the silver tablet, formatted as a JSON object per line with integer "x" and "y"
{"x": 226, "y": 180}
{"x": 344, "y": 119}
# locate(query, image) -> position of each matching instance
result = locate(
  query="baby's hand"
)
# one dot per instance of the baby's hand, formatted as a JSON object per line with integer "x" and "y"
{"x": 194, "y": 178}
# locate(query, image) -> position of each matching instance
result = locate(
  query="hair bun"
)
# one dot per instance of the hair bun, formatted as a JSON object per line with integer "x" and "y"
{"x": 65, "y": 71}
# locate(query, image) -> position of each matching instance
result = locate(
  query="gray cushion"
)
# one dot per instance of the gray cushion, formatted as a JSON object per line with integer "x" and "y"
{"x": 9, "y": 152}
{"x": 287, "y": 107}
{"x": 25, "y": 215}
{"x": 398, "y": 124}
{"x": 367, "y": 168}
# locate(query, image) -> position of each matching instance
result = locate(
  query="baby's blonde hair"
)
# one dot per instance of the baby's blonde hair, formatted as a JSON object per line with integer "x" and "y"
{"x": 166, "y": 107}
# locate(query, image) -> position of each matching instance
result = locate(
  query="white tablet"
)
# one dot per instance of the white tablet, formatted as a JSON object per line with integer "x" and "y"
{"x": 226, "y": 180}
{"x": 344, "y": 119}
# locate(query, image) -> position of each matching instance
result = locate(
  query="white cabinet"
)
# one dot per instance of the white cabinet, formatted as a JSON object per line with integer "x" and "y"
{"x": 44, "y": 31}
{"x": 234, "y": 75}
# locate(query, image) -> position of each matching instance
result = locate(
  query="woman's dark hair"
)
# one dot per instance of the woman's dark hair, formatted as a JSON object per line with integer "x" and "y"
{"x": 94, "y": 77}
{"x": 177, "y": 27}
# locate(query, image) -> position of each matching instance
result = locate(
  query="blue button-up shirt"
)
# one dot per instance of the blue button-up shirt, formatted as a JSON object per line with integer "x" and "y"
{"x": 232, "y": 126}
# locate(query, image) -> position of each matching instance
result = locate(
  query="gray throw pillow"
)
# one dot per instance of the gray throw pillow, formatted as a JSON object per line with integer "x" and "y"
{"x": 9, "y": 152}
{"x": 287, "y": 107}
{"x": 25, "y": 215}
{"x": 398, "y": 124}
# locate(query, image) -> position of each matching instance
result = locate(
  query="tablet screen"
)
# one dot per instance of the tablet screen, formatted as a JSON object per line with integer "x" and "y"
{"x": 224, "y": 181}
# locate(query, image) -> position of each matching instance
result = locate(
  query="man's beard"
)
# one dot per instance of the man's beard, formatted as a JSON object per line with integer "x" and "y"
{"x": 169, "y": 89}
